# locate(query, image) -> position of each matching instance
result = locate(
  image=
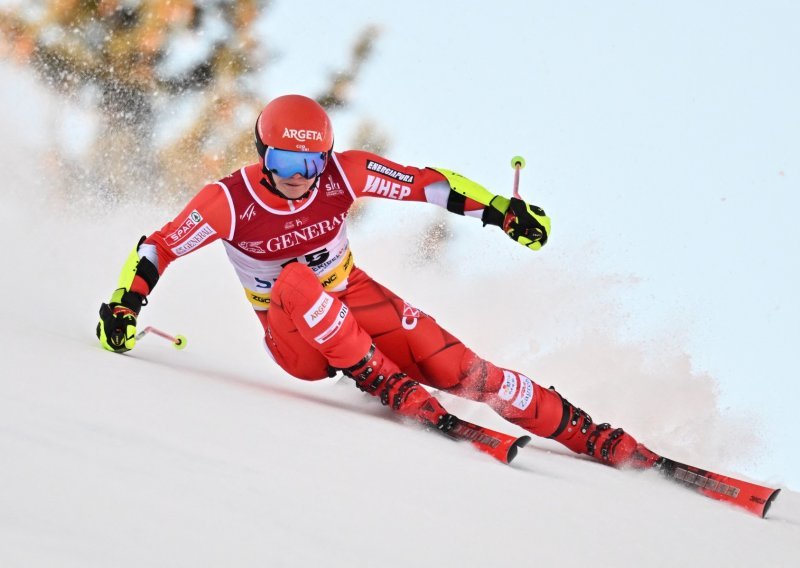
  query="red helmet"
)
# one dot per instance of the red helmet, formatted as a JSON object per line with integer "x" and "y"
{"x": 294, "y": 122}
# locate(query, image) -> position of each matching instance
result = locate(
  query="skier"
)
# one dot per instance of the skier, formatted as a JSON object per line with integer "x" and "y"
{"x": 282, "y": 223}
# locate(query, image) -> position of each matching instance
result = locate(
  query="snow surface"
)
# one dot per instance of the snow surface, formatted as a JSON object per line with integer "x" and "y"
{"x": 212, "y": 456}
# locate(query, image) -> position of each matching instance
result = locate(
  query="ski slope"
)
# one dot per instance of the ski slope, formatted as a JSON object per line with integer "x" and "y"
{"x": 212, "y": 456}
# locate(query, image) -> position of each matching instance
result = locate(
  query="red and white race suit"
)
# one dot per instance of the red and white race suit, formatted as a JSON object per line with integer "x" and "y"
{"x": 328, "y": 314}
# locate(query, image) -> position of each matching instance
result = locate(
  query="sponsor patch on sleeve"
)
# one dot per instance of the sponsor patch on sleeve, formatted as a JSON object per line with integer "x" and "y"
{"x": 389, "y": 172}
{"x": 386, "y": 188}
{"x": 185, "y": 229}
{"x": 200, "y": 236}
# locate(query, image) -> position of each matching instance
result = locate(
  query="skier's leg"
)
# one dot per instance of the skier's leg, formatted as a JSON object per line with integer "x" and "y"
{"x": 288, "y": 348}
{"x": 432, "y": 356}
{"x": 546, "y": 413}
{"x": 311, "y": 333}
{"x": 408, "y": 336}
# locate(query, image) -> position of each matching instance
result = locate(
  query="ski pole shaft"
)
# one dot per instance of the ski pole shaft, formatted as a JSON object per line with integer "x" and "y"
{"x": 517, "y": 162}
{"x": 178, "y": 341}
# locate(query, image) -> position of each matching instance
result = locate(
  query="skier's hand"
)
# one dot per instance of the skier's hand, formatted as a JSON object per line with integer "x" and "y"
{"x": 117, "y": 327}
{"x": 526, "y": 224}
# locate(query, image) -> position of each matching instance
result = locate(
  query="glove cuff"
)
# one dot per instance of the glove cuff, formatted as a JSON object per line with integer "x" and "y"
{"x": 131, "y": 300}
{"x": 495, "y": 212}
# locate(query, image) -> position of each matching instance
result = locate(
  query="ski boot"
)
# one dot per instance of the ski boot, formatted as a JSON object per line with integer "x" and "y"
{"x": 611, "y": 446}
{"x": 379, "y": 376}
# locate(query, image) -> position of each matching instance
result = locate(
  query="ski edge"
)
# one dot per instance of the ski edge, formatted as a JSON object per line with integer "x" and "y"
{"x": 752, "y": 497}
{"x": 503, "y": 447}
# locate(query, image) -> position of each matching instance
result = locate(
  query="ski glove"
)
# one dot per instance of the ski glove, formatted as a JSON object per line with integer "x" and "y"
{"x": 526, "y": 224}
{"x": 117, "y": 327}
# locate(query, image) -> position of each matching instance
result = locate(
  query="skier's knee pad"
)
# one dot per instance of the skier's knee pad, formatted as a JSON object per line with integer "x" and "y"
{"x": 539, "y": 410}
{"x": 298, "y": 360}
{"x": 296, "y": 285}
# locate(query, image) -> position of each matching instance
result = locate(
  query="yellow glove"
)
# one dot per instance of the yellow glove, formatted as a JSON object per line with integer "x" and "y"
{"x": 117, "y": 327}
{"x": 526, "y": 224}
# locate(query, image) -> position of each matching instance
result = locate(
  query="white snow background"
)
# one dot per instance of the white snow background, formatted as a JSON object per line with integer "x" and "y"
{"x": 214, "y": 457}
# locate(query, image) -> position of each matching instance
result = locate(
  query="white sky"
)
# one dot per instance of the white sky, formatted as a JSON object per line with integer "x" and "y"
{"x": 665, "y": 137}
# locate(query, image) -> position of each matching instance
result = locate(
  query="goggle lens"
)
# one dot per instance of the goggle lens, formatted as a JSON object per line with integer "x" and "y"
{"x": 286, "y": 163}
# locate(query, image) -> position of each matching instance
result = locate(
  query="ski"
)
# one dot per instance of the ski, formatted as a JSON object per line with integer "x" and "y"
{"x": 500, "y": 446}
{"x": 754, "y": 498}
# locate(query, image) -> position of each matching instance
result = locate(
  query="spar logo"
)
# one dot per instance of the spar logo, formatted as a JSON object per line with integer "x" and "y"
{"x": 302, "y": 135}
{"x": 185, "y": 229}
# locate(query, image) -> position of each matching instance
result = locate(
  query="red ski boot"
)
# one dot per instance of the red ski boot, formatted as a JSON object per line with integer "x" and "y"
{"x": 379, "y": 376}
{"x": 612, "y": 446}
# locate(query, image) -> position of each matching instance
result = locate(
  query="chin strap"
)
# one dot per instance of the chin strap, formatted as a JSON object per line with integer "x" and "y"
{"x": 269, "y": 183}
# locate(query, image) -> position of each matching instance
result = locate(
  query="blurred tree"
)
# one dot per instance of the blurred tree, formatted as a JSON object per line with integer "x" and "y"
{"x": 140, "y": 63}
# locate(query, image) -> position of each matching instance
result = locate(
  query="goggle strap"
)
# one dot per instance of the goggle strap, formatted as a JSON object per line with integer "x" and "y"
{"x": 260, "y": 146}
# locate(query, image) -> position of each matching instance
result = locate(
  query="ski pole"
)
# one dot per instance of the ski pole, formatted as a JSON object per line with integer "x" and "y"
{"x": 517, "y": 162}
{"x": 179, "y": 341}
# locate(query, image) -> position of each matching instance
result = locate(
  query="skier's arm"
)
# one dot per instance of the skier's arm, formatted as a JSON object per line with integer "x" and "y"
{"x": 527, "y": 224}
{"x": 206, "y": 218}
{"x": 373, "y": 176}
{"x": 370, "y": 175}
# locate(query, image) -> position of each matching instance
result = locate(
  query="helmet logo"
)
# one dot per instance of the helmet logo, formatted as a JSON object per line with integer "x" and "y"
{"x": 301, "y": 135}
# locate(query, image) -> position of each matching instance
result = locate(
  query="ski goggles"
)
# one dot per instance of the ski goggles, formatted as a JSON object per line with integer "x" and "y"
{"x": 286, "y": 163}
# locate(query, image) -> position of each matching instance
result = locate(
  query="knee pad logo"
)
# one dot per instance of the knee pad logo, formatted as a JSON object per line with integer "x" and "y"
{"x": 334, "y": 327}
{"x": 525, "y": 395}
{"x": 317, "y": 312}
{"x": 509, "y": 387}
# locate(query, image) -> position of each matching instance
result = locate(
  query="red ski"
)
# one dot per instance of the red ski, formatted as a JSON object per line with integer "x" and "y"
{"x": 750, "y": 496}
{"x": 500, "y": 446}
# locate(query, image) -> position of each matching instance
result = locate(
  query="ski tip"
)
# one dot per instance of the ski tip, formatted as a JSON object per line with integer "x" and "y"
{"x": 768, "y": 504}
{"x": 520, "y": 442}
